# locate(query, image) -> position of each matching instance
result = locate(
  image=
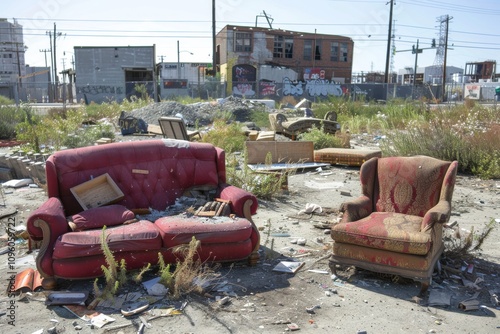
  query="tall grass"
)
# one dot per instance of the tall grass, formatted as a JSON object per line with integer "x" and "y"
{"x": 468, "y": 136}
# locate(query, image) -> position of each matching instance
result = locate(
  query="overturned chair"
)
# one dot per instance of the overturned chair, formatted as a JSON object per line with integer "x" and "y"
{"x": 293, "y": 127}
{"x": 174, "y": 128}
{"x": 395, "y": 227}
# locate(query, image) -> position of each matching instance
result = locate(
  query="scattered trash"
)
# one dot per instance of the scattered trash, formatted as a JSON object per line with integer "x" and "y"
{"x": 133, "y": 308}
{"x": 317, "y": 271}
{"x": 311, "y": 310}
{"x": 439, "y": 298}
{"x": 494, "y": 296}
{"x": 157, "y": 290}
{"x": 17, "y": 183}
{"x": 311, "y": 208}
{"x": 293, "y": 327}
{"x": 100, "y": 320}
{"x": 301, "y": 241}
{"x": 27, "y": 280}
{"x": 223, "y": 301}
{"x": 288, "y": 266}
{"x": 66, "y": 298}
{"x": 469, "y": 304}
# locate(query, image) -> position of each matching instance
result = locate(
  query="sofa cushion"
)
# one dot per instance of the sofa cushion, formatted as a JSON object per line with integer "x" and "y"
{"x": 382, "y": 257}
{"x": 103, "y": 216}
{"x": 385, "y": 230}
{"x": 177, "y": 230}
{"x": 123, "y": 238}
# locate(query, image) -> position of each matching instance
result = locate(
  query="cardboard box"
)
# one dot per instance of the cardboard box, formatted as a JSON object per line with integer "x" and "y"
{"x": 99, "y": 191}
{"x": 281, "y": 151}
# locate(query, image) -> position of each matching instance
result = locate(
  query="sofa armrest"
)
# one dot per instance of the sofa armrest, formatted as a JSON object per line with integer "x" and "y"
{"x": 356, "y": 209}
{"x": 440, "y": 214}
{"x": 243, "y": 203}
{"x": 47, "y": 223}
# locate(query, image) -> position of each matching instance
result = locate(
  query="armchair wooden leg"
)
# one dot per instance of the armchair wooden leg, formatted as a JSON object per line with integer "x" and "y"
{"x": 254, "y": 258}
{"x": 423, "y": 288}
{"x": 49, "y": 283}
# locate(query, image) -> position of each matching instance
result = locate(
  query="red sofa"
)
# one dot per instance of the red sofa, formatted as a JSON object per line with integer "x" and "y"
{"x": 167, "y": 168}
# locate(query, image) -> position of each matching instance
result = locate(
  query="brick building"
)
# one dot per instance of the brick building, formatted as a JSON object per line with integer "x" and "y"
{"x": 255, "y": 54}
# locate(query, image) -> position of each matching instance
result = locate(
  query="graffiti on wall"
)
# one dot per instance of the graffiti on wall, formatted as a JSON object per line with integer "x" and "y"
{"x": 293, "y": 88}
{"x": 315, "y": 87}
{"x": 322, "y": 87}
{"x": 267, "y": 88}
{"x": 99, "y": 89}
{"x": 314, "y": 73}
{"x": 244, "y": 77}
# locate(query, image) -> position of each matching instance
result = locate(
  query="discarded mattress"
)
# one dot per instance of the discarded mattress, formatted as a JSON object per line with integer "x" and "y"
{"x": 345, "y": 156}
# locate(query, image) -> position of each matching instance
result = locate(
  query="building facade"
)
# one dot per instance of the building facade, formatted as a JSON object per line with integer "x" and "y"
{"x": 181, "y": 79}
{"x": 12, "y": 63}
{"x": 262, "y": 62}
{"x": 112, "y": 73}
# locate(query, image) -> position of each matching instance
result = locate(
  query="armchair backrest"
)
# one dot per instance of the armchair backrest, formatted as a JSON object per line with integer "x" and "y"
{"x": 408, "y": 185}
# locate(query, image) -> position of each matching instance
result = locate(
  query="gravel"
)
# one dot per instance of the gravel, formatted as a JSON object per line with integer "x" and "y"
{"x": 201, "y": 112}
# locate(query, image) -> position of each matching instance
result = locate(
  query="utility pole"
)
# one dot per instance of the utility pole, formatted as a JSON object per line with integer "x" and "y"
{"x": 214, "y": 57}
{"x": 448, "y": 18}
{"x": 55, "y": 60}
{"x": 178, "y": 61}
{"x": 416, "y": 50}
{"x": 51, "y": 91}
{"x": 45, "y": 51}
{"x": 388, "y": 55}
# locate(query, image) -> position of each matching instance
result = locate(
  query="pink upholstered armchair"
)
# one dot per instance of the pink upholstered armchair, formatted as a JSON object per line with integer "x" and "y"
{"x": 395, "y": 226}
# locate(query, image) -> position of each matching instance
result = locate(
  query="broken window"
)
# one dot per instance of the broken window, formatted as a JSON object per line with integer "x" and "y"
{"x": 278, "y": 47}
{"x": 308, "y": 49}
{"x": 243, "y": 42}
{"x": 334, "y": 51}
{"x": 343, "y": 52}
{"x": 317, "y": 51}
{"x": 288, "y": 47}
{"x": 283, "y": 47}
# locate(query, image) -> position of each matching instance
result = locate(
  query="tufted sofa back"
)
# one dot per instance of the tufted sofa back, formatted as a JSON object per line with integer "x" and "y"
{"x": 150, "y": 173}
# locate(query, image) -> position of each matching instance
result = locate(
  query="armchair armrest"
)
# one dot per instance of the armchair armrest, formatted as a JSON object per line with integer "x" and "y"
{"x": 440, "y": 214}
{"x": 47, "y": 223}
{"x": 243, "y": 203}
{"x": 356, "y": 209}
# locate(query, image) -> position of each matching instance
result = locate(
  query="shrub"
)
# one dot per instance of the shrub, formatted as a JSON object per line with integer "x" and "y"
{"x": 9, "y": 117}
{"x": 229, "y": 137}
{"x": 263, "y": 185}
{"x": 320, "y": 139}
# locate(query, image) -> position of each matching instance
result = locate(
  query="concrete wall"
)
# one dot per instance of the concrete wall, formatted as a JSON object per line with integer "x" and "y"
{"x": 101, "y": 71}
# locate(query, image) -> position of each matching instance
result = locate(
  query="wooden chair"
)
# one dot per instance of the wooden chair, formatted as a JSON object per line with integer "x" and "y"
{"x": 174, "y": 128}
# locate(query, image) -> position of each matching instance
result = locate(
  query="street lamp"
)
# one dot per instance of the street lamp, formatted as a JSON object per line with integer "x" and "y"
{"x": 179, "y": 60}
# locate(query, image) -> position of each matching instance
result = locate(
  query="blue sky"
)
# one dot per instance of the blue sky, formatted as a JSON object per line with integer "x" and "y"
{"x": 474, "y": 34}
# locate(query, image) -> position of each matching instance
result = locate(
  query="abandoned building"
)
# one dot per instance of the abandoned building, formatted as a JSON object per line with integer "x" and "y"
{"x": 257, "y": 61}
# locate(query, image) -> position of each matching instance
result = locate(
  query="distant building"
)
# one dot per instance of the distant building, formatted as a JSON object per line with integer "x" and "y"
{"x": 177, "y": 79}
{"x": 259, "y": 62}
{"x": 430, "y": 74}
{"x": 12, "y": 65}
{"x": 484, "y": 71}
{"x": 112, "y": 73}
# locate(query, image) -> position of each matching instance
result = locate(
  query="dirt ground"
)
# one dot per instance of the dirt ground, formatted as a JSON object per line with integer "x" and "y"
{"x": 261, "y": 300}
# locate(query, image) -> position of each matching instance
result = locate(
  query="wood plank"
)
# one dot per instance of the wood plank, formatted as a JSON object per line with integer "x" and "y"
{"x": 153, "y": 128}
{"x": 281, "y": 151}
